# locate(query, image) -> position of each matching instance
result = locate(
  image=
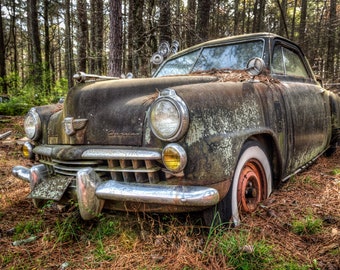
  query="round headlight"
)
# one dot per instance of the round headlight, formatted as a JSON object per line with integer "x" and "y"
{"x": 174, "y": 157}
{"x": 32, "y": 124}
{"x": 169, "y": 117}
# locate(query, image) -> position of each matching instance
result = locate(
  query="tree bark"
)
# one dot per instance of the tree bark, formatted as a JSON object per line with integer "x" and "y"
{"x": 136, "y": 38}
{"x": 115, "y": 42}
{"x": 3, "y": 84}
{"x": 236, "y": 17}
{"x": 293, "y": 21}
{"x": 165, "y": 21}
{"x": 332, "y": 25}
{"x": 190, "y": 31}
{"x": 283, "y": 30}
{"x": 302, "y": 27}
{"x": 96, "y": 39}
{"x": 82, "y": 35}
{"x": 203, "y": 17}
{"x": 47, "y": 47}
{"x": 70, "y": 70}
{"x": 33, "y": 29}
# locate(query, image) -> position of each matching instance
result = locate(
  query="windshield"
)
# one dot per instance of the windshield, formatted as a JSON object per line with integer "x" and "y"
{"x": 228, "y": 56}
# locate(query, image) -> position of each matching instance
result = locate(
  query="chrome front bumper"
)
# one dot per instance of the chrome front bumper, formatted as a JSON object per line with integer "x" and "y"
{"x": 92, "y": 192}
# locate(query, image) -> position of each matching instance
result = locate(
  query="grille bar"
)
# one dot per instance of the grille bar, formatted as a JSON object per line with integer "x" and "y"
{"x": 141, "y": 171}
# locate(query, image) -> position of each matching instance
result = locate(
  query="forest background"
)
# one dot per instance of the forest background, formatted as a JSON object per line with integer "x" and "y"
{"x": 44, "y": 42}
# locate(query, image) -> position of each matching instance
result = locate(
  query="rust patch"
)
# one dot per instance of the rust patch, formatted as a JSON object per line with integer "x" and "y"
{"x": 150, "y": 98}
{"x": 58, "y": 107}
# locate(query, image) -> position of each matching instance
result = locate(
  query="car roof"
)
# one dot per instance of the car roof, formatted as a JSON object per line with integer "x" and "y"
{"x": 230, "y": 39}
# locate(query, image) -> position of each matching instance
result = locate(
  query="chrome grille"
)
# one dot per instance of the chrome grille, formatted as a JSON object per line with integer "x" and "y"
{"x": 141, "y": 171}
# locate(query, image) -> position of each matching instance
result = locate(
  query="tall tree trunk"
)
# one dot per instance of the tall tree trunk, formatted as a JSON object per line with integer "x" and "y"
{"x": 82, "y": 35}
{"x": 164, "y": 21}
{"x": 70, "y": 70}
{"x": 236, "y": 17}
{"x": 190, "y": 31}
{"x": 202, "y": 26}
{"x": 140, "y": 38}
{"x": 136, "y": 37}
{"x": 96, "y": 39}
{"x": 47, "y": 71}
{"x": 256, "y": 16}
{"x": 259, "y": 8}
{"x": 293, "y": 21}
{"x": 100, "y": 37}
{"x": 151, "y": 10}
{"x": 3, "y": 85}
{"x": 303, "y": 17}
{"x": 130, "y": 38}
{"x": 243, "y": 17}
{"x": 13, "y": 35}
{"x": 33, "y": 29}
{"x": 332, "y": 26}
{"x": 262, "y": 15}
{"x": 116, "y": 41}
{"x": 283, "y": 30}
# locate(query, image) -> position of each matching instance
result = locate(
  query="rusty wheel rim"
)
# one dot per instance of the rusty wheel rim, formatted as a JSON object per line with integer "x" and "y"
{"x": 251, "y": 188}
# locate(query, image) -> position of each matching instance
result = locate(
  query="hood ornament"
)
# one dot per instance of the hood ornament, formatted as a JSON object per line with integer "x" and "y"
{"x": 82, "y": 77}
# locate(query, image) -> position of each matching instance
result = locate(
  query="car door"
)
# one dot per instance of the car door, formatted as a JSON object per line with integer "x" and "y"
{"x": 307, "y": 114}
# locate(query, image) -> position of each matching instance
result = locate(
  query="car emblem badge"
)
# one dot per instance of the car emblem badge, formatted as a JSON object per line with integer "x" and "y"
{"x": 68, "y": 126}
{"x": 71, "y": 125}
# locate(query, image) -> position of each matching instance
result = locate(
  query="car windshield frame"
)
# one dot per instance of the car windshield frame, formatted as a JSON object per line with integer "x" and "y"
{"x": 235, "y": 56}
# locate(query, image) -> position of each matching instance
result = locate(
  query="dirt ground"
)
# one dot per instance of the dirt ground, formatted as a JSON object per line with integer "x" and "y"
{"x": 314, "y": 192}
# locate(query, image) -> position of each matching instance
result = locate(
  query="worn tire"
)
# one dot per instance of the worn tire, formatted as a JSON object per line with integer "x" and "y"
{"x": 252, "y": 183}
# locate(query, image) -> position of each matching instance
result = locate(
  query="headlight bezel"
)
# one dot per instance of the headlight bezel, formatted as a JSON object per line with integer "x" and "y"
{"x": 169, "y": 96}
{"x": 32, "y": 124}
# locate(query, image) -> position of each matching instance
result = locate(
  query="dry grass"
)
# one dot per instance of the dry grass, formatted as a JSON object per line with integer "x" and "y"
{"x": 129, "y": 241}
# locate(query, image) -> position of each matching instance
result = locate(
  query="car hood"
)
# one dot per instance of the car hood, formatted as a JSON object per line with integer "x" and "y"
{"x": 111, "y": 112}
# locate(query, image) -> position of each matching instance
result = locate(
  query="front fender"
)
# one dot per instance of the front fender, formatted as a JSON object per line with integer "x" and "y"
{"x": 221, "y": 120}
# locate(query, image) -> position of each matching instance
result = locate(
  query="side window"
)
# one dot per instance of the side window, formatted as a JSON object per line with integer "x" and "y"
{"x": 287, "y": 62}
{"x": 277, "y": 63}
{"x": 293, "y": 63}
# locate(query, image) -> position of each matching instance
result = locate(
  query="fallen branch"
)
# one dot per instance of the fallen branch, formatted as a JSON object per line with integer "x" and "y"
{"x": 5, "y": 135}
{"x": 24, "y": 241}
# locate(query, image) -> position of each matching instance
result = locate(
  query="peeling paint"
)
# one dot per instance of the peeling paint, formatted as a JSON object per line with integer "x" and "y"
{"x": 223, "y": 121}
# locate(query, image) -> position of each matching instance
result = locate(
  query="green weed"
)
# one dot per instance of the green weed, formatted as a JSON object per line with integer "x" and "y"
{"x": 105, "y": 227}
{"x": 6, "y": 259}
{"x": 307, "y": 226}
{"x": 28, "y": 228}
{"x": 336, "y": 171}
{"x": 101, "y": 253}
{"x": 69, "y": 228}
{"x": 242, "y": 253}
{"x": 292, "y": 266}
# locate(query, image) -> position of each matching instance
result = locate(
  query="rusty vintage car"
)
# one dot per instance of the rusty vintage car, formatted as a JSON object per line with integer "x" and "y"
{"x": 215, "y": 129}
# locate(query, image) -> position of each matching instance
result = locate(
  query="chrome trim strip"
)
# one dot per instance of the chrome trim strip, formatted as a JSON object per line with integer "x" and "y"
{"x": 105, "y": 153}
{"x": 65, "y": 169}
{"x": 77, "y": 162}
{"x": 137, "y": 154}
{"x": 43, "y": 150}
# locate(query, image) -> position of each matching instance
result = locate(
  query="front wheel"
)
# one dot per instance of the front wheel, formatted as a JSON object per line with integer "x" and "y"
{"x": 251, "y": 184}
